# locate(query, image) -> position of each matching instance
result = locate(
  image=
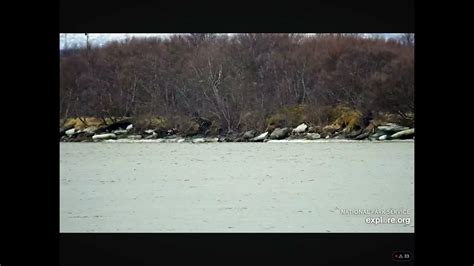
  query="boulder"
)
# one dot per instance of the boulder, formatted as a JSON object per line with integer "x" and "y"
{"x": 300, "y": 129}
{"x": 104, "y": 136}
{"x": 362, "y": 136}
{"x": 170, "y": 137}
{"x": 149, "y": 131}
{"x": 152, "y": 136}
{"x": 312, "y": 136}
{"x": 391, "y": 127}
{"x": 115, "y": 126}
{"x": 91, "y": 129}
{"x": 404, "y": 134}
{"x": 70, "y": 132}
{"x": 171, "y": 132}
{"x": 80, "y": 137}
{"x": 280, "y": 133}
{"x": 231, "y": 138}
{"x": 198, "y": 140}
{"x": 122, "y": 136}
{"x": 249, "y": 134}
{"x": 377, "y": 134}
{"x": 260, "y": 137}
{"x": 83, "y": 133}
{"x": 296, "y": 136}
{"x": 62, "y": 131}
{"x": 315, "y": 129}
{"x": 120, "y": 132}
{"x": 354, "y": 134}
{"x": 162, "y": 133}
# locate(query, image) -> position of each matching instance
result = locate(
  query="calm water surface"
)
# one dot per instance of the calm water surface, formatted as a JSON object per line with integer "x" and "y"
{"x": 235, "y": 187}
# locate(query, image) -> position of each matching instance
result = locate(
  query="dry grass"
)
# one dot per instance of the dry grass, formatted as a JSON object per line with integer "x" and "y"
{"x": 290, "y": 117}
{"x": 78, "y": 123}
{"x": 339, "y": 118}
{"x": 150, "y": 122}
{"x": 349, "y": 118}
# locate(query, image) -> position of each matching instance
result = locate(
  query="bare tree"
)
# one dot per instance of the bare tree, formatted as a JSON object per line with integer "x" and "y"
{"x": 408, "y": 39}
{"x": 237, "y": 81}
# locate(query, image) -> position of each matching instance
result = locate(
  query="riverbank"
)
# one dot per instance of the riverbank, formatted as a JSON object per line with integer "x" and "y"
{"x": 124, "y": 131}
{"x": 213, "y": 140}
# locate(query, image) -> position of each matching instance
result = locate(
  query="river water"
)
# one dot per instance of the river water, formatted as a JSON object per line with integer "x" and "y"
{"x": 237, "y": 187}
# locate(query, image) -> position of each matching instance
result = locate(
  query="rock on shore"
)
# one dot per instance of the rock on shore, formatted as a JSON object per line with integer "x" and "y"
{"x": 125, "y": 130}
{"x": 260, "y": 137}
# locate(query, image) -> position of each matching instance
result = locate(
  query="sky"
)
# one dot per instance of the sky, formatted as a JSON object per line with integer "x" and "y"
{"x": 99, "y": 39}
